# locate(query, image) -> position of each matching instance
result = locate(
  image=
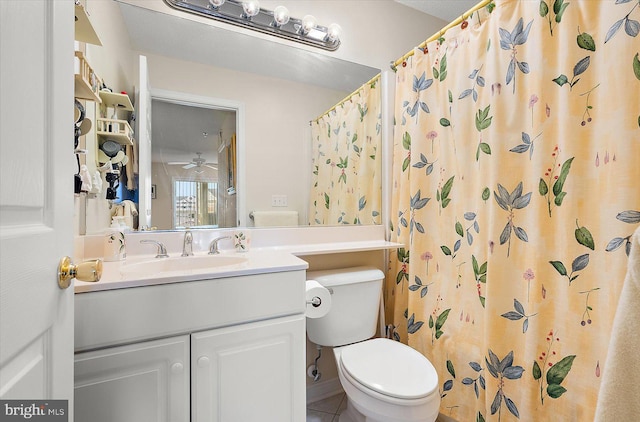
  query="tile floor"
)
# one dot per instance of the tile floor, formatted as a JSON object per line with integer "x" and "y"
{"x": 327, "y": 410}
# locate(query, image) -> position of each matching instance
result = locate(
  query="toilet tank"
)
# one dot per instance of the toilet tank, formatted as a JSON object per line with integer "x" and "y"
{"x": 355, "y": 302}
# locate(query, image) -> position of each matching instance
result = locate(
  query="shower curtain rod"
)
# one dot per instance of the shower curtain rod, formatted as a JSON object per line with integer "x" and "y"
{"x": 441, "y": 32}
{"x": 344, "y": 100}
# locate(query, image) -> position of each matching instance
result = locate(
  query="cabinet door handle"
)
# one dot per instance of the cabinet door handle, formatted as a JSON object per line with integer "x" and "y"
{"x": 177, "y": 368}
{"x": 203, "y": 362}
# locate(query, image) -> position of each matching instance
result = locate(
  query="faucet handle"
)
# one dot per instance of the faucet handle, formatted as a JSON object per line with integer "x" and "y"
{"x": 187, "y": 244}
{"x": 162, "y": 251}
{"x": 213, "y": 246}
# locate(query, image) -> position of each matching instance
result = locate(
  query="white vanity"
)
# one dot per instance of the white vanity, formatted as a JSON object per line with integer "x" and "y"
{"x": 223, "y": 345}
{"x": 203, "y": 338}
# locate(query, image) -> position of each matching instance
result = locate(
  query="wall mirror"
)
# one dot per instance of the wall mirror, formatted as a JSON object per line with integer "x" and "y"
{"x": 282, "y": 88}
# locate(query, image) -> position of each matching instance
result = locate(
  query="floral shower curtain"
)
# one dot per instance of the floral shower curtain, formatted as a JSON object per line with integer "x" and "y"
{"x": 516, "y": 186}
{"x": 346, "y": 158}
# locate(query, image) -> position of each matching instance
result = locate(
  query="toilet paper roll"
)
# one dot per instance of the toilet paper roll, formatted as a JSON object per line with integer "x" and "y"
{"x": 318, "y": 299}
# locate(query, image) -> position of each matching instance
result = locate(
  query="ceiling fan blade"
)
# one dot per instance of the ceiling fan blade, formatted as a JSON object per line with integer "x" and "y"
{"x": 189, "y": 166}
{"x": 211, "y": 167}
{"x": 178, "y": 163}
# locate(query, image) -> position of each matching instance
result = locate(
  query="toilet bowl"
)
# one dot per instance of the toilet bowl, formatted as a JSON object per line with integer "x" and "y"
{"x": 385, "y": 381}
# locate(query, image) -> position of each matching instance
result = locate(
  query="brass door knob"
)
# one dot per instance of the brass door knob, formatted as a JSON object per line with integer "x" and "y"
{"x": 90, "y": 270}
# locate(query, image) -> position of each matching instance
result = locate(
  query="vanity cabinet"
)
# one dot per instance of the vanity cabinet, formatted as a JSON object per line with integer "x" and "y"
{"x": 142, "y": 382}
{"x": 249, "y": 373}
{"x": 228, "y": 350}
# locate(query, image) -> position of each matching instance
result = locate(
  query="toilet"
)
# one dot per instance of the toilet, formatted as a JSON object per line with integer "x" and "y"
{"x": 385, "y": 381}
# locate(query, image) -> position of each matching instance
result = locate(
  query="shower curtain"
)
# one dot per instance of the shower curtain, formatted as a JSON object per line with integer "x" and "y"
{"x": 346, "y": 185}
{"x": 516, "y": 188}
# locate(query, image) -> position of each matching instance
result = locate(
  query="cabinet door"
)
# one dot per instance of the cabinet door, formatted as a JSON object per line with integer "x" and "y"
{"x": 250, "y": 373}
{"x": 142, "y": 382}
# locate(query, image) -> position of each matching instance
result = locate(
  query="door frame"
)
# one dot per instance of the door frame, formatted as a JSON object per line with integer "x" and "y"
{"x": 191, "y": 100}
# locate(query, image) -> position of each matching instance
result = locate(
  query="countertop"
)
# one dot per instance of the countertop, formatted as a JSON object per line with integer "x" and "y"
{"x": 258, "y": 261}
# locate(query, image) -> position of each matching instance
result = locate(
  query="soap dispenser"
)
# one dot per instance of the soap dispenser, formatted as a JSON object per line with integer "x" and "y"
{"x": 114, "y": 242}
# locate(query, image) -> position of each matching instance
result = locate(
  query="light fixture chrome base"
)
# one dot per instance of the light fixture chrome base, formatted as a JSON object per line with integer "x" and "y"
{"x": 231, "y": 12}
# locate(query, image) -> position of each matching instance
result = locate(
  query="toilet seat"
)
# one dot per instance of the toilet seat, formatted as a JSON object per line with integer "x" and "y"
{"x": 389, "y": 368}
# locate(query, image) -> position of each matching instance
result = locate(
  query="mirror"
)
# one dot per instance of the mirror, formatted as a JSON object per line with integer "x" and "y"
{"x": 281, "y": 87}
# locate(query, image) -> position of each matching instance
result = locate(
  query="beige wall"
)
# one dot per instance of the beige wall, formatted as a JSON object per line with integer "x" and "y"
{"x": 113, "y": 61}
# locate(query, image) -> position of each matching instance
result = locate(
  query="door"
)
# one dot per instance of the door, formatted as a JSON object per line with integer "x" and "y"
{"x": 141, "y": 382}
{"x": 143, "y": 135}
{"x": 36, "y": 199}
{"x": 250, "y": 372}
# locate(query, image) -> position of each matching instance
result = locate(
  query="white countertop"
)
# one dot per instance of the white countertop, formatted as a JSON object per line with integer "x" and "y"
{"x": 259, "y": 261}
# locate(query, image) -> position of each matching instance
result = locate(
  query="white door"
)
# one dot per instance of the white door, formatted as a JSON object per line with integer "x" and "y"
{"x": 36, "y": 198}
{"x": 143, "y": 135}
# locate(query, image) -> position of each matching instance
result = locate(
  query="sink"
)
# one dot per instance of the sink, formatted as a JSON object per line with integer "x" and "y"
{"x": 184, "y": 264}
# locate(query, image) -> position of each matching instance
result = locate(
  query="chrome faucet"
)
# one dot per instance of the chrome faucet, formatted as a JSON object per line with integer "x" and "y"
{"x": 213, "y": 247}
{"x": 162, "y": 251}
{"x": 187, "y": 244}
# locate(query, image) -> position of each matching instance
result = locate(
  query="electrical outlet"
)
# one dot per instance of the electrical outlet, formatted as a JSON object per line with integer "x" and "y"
{"x": 278, "y": 200}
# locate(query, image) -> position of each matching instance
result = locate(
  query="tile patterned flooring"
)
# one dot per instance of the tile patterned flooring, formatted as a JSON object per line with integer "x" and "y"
{"x": 327, "y": 410}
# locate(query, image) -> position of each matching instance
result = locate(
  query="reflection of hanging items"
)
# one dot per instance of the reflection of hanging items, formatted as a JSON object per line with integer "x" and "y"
{"x": 85, "y": 178}
{"x": 81, "y": 127}
{"x": 114, "y": 154}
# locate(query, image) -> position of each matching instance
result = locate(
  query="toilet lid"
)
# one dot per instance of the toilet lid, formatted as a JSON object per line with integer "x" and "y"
{"x": 390, "y": 368}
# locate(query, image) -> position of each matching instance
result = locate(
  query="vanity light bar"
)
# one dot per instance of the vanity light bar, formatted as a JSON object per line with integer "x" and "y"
{"x": 232, "y": 12}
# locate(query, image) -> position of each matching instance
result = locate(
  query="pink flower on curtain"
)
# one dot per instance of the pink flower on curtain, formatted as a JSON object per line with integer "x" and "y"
{"x": 532, "y": 102}
{"x": 528, "y": 276}
{"x": 431, "y": 136}
{"x": 426, "y": 256}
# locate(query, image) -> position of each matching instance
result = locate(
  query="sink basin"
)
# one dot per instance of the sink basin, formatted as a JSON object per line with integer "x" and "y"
{"x": 187, "y": 264}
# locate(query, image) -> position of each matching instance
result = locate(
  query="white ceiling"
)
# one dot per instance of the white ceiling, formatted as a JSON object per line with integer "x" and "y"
{"x": 447, "y": 10}
{"x": 177, "y": 131}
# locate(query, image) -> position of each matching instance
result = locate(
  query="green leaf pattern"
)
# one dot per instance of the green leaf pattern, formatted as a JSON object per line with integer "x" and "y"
{"x": 516, "y": 235}
{"x": 346, "y": 162}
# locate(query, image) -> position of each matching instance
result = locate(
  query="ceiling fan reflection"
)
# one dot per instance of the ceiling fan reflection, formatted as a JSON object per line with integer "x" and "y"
{"x": 197, "y": 163}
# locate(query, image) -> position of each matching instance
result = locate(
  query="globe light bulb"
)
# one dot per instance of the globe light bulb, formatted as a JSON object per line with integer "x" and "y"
{"x": 308, "y": 23}
{"x": 281, "y": 15}
{"x": 216, "y": 3}
{"x": 333, "y": 32}
{"x": 251, "y": 8}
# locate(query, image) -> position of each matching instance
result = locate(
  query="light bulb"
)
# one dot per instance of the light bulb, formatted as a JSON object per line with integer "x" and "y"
{"x": 251, "y": 8}
{"x": 308, "y": 23}
{"x": 216, "y": 3}
{"x": 333, "y": 32}
{"x": 281, "y": 15}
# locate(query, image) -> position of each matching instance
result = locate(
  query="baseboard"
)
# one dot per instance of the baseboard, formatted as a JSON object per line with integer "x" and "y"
{"x": 323, "y": 389}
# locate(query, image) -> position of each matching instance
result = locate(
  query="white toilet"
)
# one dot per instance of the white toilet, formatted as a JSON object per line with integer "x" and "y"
{"x": 385, "y": 381}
